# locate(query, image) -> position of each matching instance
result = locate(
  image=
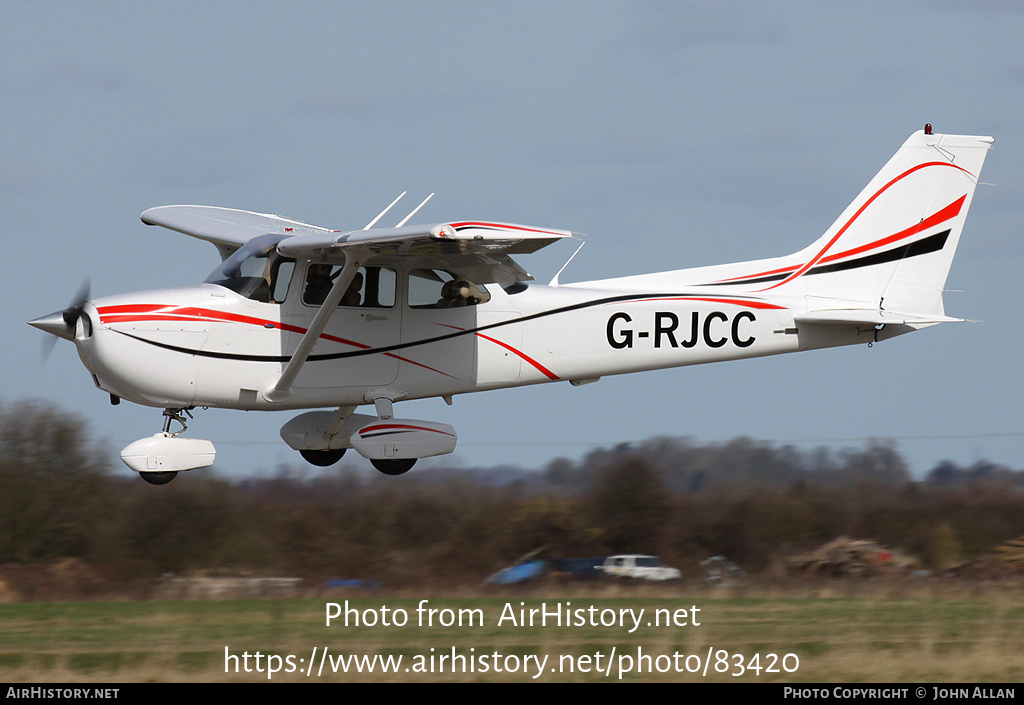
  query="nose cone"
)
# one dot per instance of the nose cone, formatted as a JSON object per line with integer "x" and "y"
{"x": 57, "y": 324}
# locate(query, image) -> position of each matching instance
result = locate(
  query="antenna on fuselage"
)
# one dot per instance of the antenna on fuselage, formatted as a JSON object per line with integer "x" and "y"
{"x": 381, "y": 214}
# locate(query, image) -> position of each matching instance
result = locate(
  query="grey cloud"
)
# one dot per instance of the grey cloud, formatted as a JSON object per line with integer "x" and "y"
{"x": 373, "y": 105}
{"x": 985, "y": 7}
{"x": 668, "y": 25}
{"x": 72, "y": 77}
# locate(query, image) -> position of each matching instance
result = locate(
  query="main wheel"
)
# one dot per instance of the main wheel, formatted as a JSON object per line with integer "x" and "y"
{"x": 158, "y": 478}
{"x": 323, "y": 458}
{"x": 394, "y": 467}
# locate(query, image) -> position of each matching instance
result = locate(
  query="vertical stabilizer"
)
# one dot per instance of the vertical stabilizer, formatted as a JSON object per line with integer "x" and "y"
{"x": 891, "y": 249}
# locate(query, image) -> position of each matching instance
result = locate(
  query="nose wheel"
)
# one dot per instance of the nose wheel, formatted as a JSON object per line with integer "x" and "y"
{"x": 158, "y": 478}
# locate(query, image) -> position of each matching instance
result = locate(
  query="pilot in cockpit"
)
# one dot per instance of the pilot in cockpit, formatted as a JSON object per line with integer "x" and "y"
{"x": 318, "y": 284}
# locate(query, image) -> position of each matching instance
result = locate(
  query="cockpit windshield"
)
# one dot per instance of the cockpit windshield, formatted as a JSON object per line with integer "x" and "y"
{"x": 256, "y": 271}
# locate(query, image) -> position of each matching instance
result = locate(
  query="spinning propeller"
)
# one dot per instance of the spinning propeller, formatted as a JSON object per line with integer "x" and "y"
{"x": 62, "y": 324}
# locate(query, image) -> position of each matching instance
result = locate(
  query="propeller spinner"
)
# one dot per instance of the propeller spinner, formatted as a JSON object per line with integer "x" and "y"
{"x": 62, "y": 323}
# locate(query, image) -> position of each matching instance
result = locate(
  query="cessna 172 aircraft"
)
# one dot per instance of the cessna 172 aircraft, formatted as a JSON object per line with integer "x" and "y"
{"x": 302, "y": 317}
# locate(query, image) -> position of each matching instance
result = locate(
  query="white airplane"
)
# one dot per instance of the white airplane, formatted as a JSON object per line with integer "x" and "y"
{"x": 302, "y": 317}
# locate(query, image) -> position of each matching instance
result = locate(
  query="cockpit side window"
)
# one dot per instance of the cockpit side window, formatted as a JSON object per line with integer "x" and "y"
{"x": 437, "y": 288}
{"x": 281, "y": 279}
{"x": 372, "y": 287}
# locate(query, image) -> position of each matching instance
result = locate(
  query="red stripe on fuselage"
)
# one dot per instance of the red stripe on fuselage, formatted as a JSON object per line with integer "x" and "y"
{"x": 735, "y": 302}
{"x": 150, "y": 312}
{"x": 769, "y": 273}
{"x": 543, "y": 370}
{"x": 133, "y": 313}
{"x": 419, "y": 364}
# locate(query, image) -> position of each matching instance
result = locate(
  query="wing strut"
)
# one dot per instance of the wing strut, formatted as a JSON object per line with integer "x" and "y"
{"x": 282, "y": 388}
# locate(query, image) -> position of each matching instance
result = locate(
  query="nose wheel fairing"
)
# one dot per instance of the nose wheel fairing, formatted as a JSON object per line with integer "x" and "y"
{"x": 166, "y": 453}
{"x": 159, "y": 458}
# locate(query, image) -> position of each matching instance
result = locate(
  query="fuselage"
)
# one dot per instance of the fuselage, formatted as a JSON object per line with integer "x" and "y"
{"x": 219, "y": 345}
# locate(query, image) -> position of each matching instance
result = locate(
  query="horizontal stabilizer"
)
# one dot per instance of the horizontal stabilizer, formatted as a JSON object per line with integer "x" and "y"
{"x": 870, "y": 317}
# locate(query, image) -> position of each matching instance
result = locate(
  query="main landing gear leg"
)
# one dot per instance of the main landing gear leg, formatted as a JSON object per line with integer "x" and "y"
{"x": 385, "y": 412}
{"x": 316, "y": 432}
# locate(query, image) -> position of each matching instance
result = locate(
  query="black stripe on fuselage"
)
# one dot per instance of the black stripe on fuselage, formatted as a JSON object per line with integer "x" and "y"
{"x": 413, "y": 343}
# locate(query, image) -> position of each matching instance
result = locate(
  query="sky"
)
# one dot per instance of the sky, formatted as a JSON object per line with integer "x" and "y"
{"x": 674, "y": 134}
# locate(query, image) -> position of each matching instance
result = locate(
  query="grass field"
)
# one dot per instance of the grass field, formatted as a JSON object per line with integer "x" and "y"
{"x": 813, "y": 639}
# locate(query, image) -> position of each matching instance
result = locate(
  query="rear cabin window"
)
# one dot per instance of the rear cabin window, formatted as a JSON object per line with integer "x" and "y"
{"x": 437, "y": 288}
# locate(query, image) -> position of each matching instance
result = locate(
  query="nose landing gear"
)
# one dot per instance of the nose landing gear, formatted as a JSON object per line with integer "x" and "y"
{"x": 158, "y": 459}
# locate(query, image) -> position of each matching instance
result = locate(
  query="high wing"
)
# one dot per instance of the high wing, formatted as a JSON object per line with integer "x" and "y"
{"x": 227, "y": 228}
{"x": 476, "y": 250}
